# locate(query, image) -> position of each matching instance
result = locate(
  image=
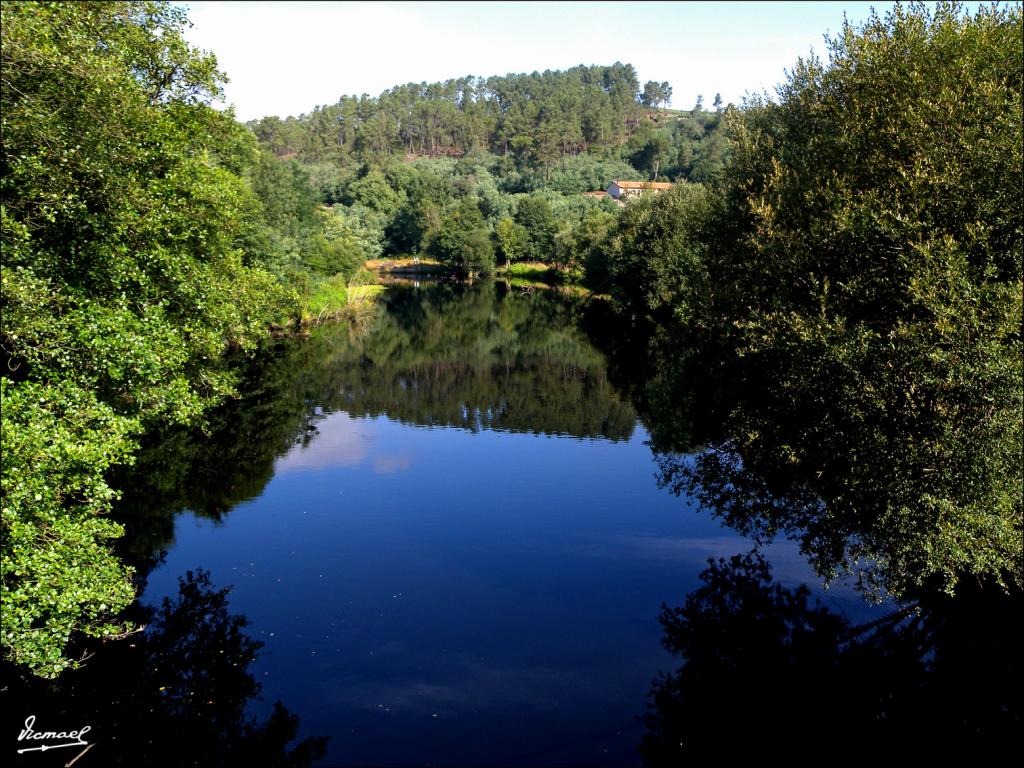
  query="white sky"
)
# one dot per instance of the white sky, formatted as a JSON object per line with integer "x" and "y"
{"x": 286, "y": 58}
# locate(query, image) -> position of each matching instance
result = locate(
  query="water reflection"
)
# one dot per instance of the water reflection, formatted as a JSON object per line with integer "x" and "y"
{"x": 770, "y": 672}
{"x": 880, "y": 493}
{"x": 483, "y": 357}
{"x": 411, "y": 622}
{"x": 174, "y": 695}
{"x": 341, "y": 441}
{"x": 902, "y": 494}
{"x": 508, "y": 619}
{"x": 472, "y": 357}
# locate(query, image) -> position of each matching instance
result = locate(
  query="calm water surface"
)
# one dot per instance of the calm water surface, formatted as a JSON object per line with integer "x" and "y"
{"x": 452, "y": 544}
{"x": 437, "y": 536}
{"x": 443, "y": 527}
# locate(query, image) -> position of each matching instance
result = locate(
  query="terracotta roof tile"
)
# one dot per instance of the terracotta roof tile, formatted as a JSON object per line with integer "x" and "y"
{"x": 642, "y": 184}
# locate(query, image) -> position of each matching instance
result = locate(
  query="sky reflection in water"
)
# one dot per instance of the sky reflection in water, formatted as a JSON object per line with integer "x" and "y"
{"x": 439, "y": 595}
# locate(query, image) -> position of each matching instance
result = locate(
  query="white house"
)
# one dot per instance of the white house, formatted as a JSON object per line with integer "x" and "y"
{"x": 623, "y": 190}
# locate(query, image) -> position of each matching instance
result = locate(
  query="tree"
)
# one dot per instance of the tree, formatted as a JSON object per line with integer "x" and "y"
{"x": 656, "y": 257}
{"x": 125, "y": 279}
{"x": 374, "y": 191}
{"x": 709, "y": 159}
{"x": 666, "y": 93}
{"x": 580, "y": 245}
{"x": 656, "y": 94}
{"x": 858, "y": 272}
{"x": 534, "y": 213}
{"x": 513, "y": 240}
{"x": 652, "y": 154}
{"x": 464, "y": 241}
{"x": 651, "y": 94}
{"x": 876, "y": 281}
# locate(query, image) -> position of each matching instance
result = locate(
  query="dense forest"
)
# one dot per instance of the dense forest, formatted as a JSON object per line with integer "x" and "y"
{"x": 477, "y": 173}
{"x": 534, "y": 118}
{"x": 529, "y": 120}
{"x": 835, "y": 280}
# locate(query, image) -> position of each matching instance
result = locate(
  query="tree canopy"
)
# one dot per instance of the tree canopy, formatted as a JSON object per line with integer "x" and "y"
{"x": 133, "y": 261}
{"x": 862, "y": 277}
{"x": 536, "y": 118}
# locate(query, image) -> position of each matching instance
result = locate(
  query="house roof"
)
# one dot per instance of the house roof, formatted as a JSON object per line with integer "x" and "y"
{"x": 642, "y": 184}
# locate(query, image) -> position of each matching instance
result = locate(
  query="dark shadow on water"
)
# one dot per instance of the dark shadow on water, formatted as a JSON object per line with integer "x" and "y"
{"x": 769, "y": 672}
{"x": 791, "y": 442}
{"x": 175, "y": 695}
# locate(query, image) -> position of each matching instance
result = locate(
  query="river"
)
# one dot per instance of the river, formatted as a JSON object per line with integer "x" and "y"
{"x": 444, "y": 529}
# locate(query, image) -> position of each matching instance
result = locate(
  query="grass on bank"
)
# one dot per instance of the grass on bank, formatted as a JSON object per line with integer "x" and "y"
{"x": 524, "y": 270}
{"x": 403, "y": 264}
{"x": 528, "y": 270}
{"x": 566, "y": 289}
{"x": 332, "y": 297}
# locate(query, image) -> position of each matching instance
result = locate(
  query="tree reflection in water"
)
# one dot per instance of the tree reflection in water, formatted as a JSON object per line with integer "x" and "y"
{"x": 779, "y": 442}
{"x": 768, "y": 672}
{"x": 173, "y": 695}
{"x": 471, "y": 357}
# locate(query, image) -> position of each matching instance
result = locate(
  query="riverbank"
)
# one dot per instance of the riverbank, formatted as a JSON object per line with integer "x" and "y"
{"x": 333, "y": 298}
{"x": 406, "y": 266}
{"x": 419, "y": 267}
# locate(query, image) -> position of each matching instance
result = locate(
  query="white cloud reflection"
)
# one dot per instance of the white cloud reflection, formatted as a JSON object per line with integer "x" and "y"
{"x": 342, "y": 441}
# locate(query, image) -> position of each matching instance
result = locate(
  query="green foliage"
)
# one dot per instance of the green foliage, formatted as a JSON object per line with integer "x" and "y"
{"x": 324, "y": 299}
{"x": 133, "y": 255}
{"x": 402, "y": 207}
{"x": 349, "y": 238}
{"x": 580, "y": 248}
{"x": 374, "y": 192}
{"x": 297, "y": 239}
{"x": 534, "y": 213}
{"x": 884, "y": 261}
{"x": 513, "y": 240}
{"x": 464, "y": 241}
{"x": 283, "y": 188}
{"x": 652, "y": 154}
{"x": 656, "y": 257}
{"x": 572, "y": 175}
{"x": 865, "y": 267}
{"x": 536, "y": 118}
{"x": 527, "y": 271}
{"x": 656, "y": 94}
{"x": 59, "y": 574}
{"x": 700, "y": 147}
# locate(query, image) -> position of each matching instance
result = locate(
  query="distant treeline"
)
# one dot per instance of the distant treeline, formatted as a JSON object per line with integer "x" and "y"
{"x": 535, "y": 117}
{"x": 531, "y": 120}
